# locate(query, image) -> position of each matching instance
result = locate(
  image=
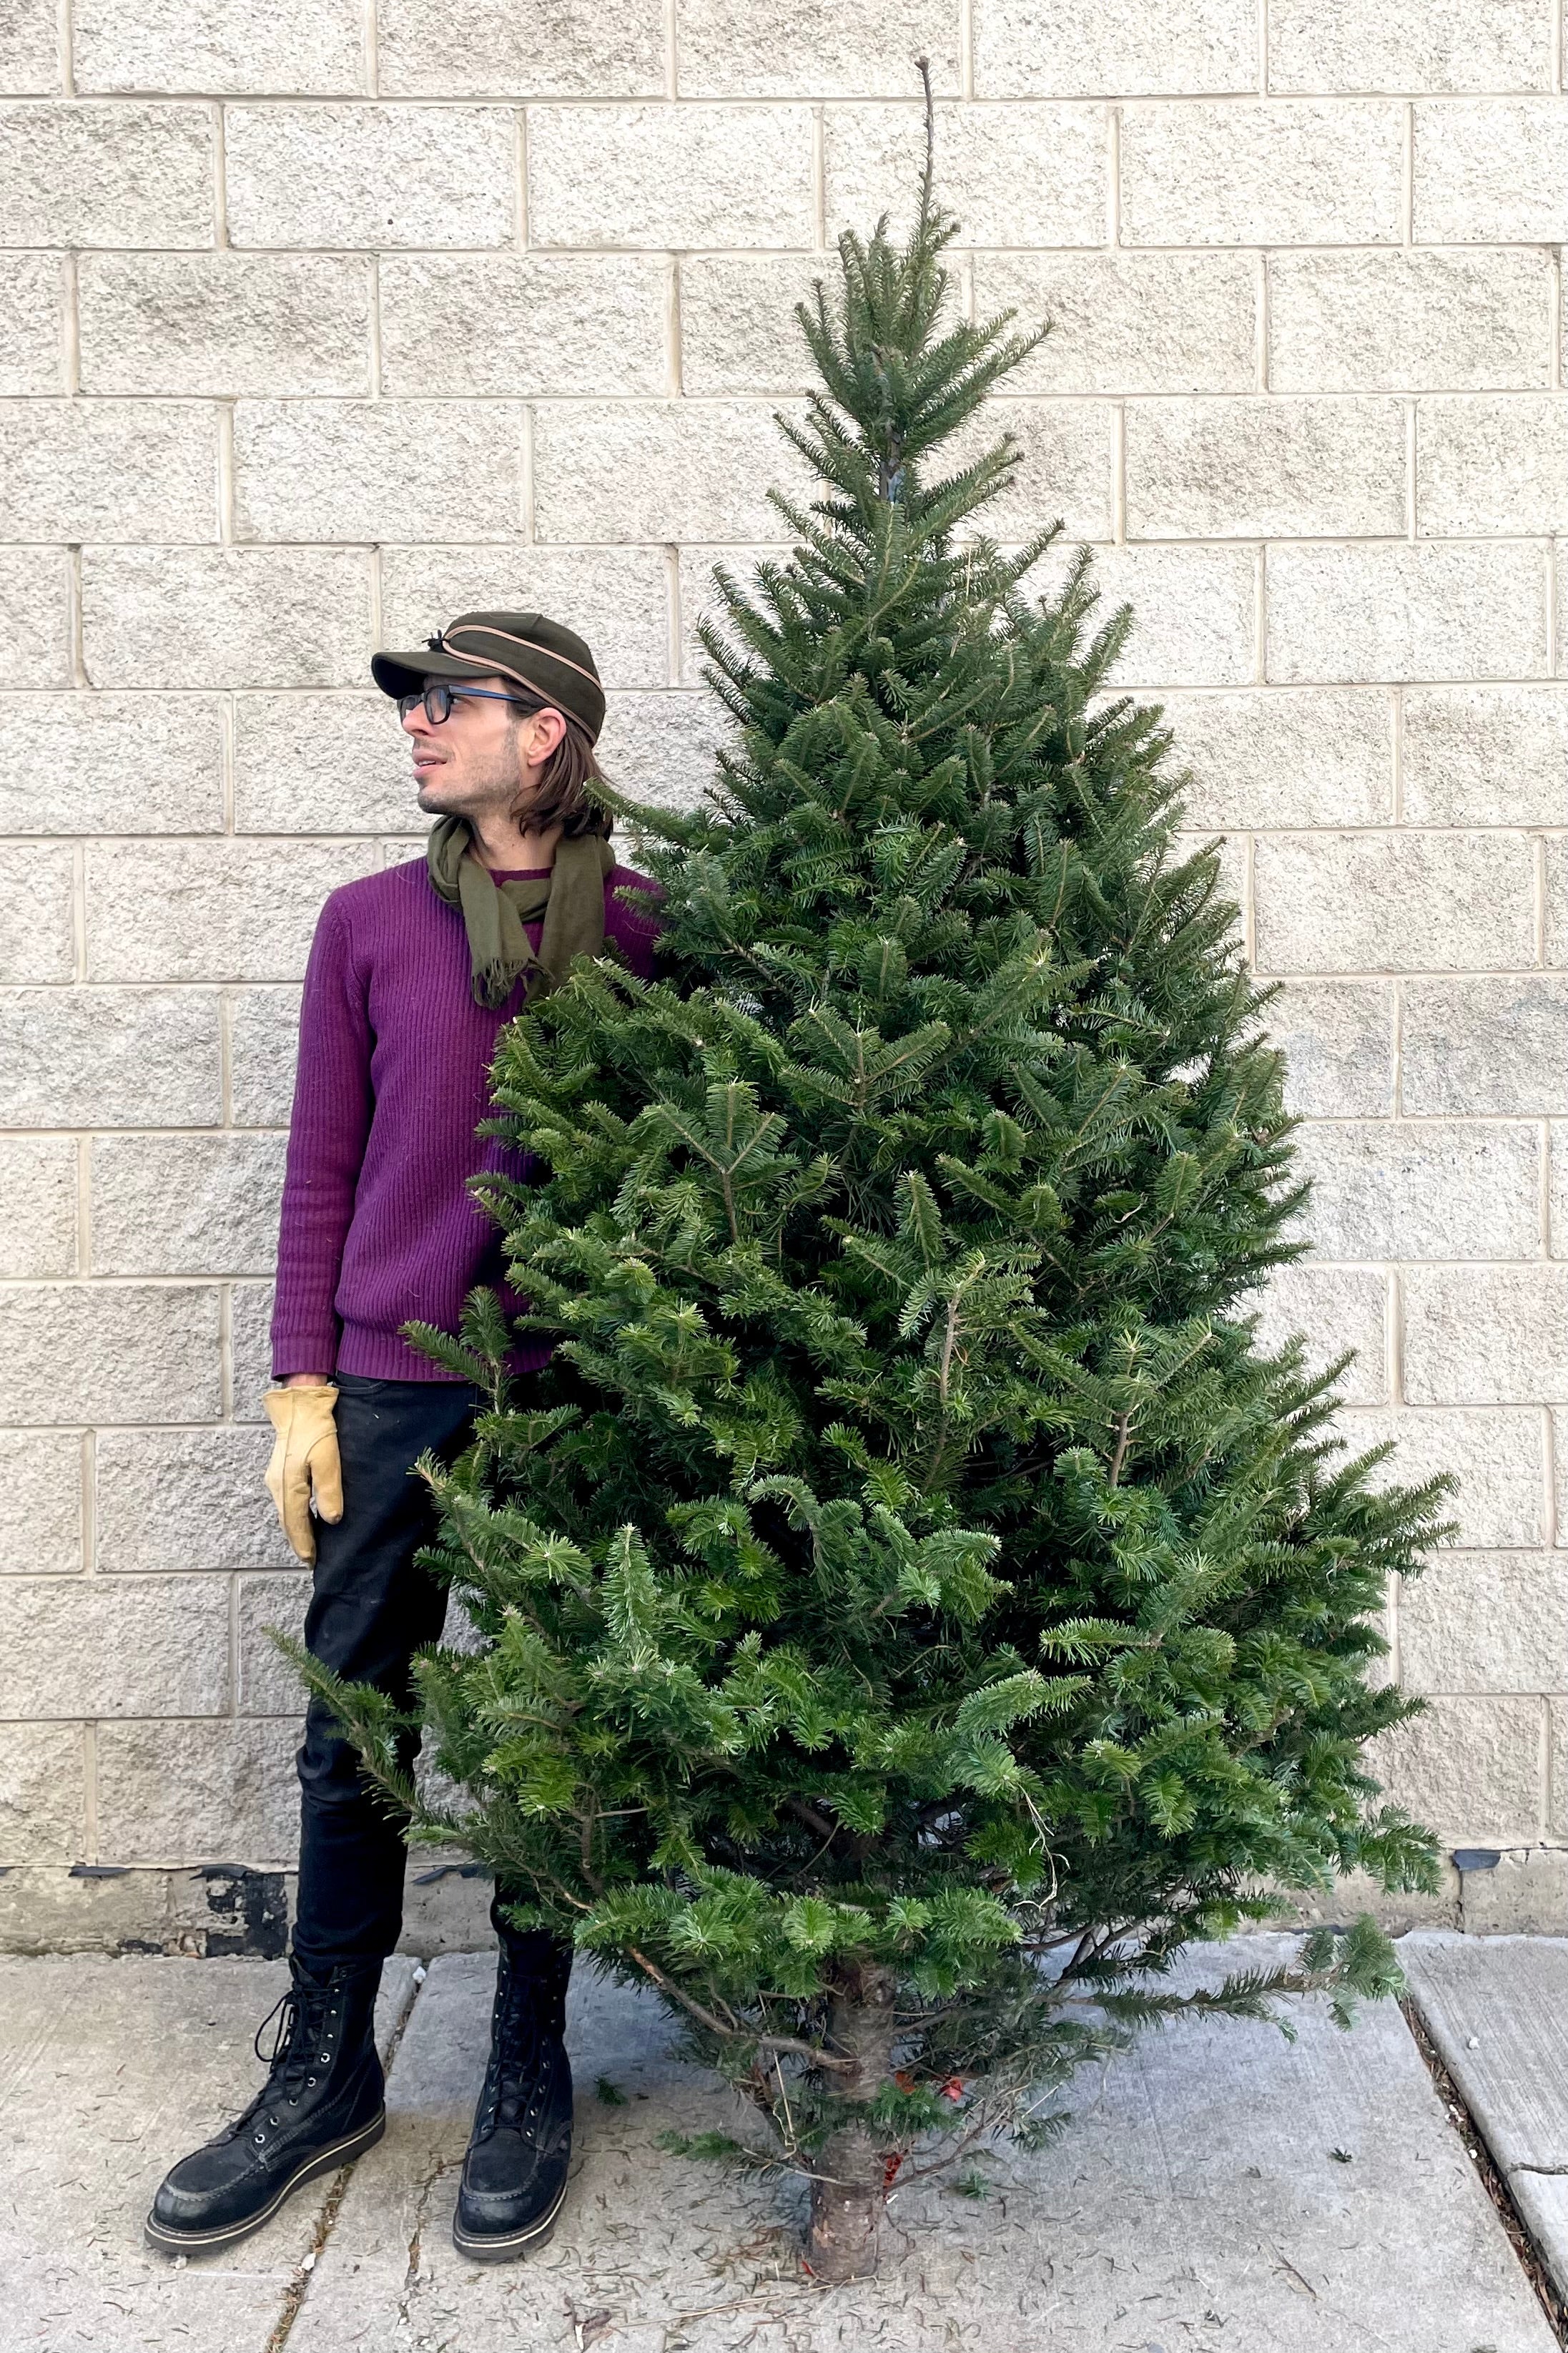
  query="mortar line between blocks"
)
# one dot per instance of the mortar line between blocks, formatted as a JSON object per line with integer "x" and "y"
{"x": 220, "y": 177}
{"x": 1407, "y": 176}
{"x": 374, "y": 353}
{"x": 1113, "y": 176}
{"x": 89, "y": 1791}
{"x": 520, "y": 173}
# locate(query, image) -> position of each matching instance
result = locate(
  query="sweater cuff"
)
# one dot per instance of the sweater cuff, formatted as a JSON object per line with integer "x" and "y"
{"x": 304, "y": 1352}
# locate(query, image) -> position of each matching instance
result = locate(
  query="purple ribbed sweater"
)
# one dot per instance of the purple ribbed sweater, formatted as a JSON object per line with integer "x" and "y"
{"x": 377, "y": 1224}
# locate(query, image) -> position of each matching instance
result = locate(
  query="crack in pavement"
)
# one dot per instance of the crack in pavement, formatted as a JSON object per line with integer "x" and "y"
{"x": 299, "y": 2286}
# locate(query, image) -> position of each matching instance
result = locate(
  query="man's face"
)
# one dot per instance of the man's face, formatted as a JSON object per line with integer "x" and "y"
{"x": 481, "y": 757}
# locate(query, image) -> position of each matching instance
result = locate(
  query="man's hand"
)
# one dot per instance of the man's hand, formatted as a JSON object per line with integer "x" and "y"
{"x": 304, "y": 1465}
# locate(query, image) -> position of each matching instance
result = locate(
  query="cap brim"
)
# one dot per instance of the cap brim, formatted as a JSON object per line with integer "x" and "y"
{"x": 407, "y": 673}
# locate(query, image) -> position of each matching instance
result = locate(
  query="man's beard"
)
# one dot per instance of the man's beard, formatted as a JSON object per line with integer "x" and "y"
{"x": 495, "y": 789}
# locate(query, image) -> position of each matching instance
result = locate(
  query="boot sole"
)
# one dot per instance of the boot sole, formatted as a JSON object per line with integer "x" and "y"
{"x": 327, "y": 2160}
{"x": 496, "y": 2249}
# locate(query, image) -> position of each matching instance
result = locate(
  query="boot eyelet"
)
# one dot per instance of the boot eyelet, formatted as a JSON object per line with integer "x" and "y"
{"x": 258, "y": 2137}
{"x": 310, "y": 2083}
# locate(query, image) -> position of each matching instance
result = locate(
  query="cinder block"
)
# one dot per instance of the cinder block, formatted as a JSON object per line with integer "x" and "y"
{"x": 1282, "y": 172}
{"x": 1407, "y": 613}
{"x": 35, "y": 617}
{"x": 36, "y": 928}
{"x": 32, "y": 47}
{"x": 1333, "y": 1308}
{"x": 659, "y": 470}
{"x": 320, "y": 764}
{"x": 1496, "y": 1456}
{"x": 1051, "y": 48}
{"x": 1409, "y": 322}
{"x": 614, "y": 49}
{"x": 1485, "y": 1334}
{"x": 1409, "y": 44}
{"x": 698, "y": 597}
{"x": 1492, "y": 462}
{"x": 377, "y": 176}
{"x": 1557, "y": 1720}
{"x": 43, "y": 1794}
{"x": 1395, "y": 902}
{"x": 1484, "y": 1046}
{"x": 739, "y": 333}
{"x": 661, "y": 747}
{"x": 32, "y": 360}
{"x": 1492, "y": 171}
{"x": 1064, "y": 469}
{"x": 665, "y": 176}
{"x": 75, "y": 470}
{"x": 1421, "y": 1189}
{"x": 1486, "y": 1621}
{"x": 264, "y": 1038}
{"x": 109, "y": 1352}
{"x": 617, "y": 597}
{"x": 268, "y": 1684}
{"x": 250, "y": 1337}
{"x": 99, "y": 173}
{"x": 230, "y": 910}
{"x": 367, "y": 470}
{"x": 224, "y": 322}
{"x": 812, "y": 49}
{"x": 38, "y": 1184}
{"x": 1321, "y": 756}
{"x": 184, "y": 1204}
{"x": 1337, "y": 1037}
{"x": 86, "y": 1646}
{"x": 305, "y": 46}
{"x": 1025, "y": 175}
{"x": 1469, "y": 1768}
{"x": 1194, "y": 611}
{"x": 182, "y": 616}
{"x": 40, "y": 1503}
{"x": 1263, "y": 467}
{"x": 1526, "y": 1895}
{"x": 170, "y": 1501}
{"x": 1127, "y": 323}
{"x": 1557, "y": 1222}
{"x": 109, "y": 1057}
{"x": 184, "y": 1793}
{"x": 1486, "y": 756}
{"x": 110, "y": 764}
{"x": 513, "y": 325}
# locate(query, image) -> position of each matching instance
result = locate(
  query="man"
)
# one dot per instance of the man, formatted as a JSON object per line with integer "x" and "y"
{"x": 412, "y": 974}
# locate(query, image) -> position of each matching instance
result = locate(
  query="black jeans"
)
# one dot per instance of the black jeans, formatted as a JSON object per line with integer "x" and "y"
{"x": 371, "y": 1608}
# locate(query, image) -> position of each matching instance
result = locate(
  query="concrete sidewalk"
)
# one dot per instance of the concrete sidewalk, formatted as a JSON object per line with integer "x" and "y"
{"x": 1220, "y": 2192}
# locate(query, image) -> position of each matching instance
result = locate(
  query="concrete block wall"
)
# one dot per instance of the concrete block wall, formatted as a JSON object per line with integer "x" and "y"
{"x": 329, "y": 319}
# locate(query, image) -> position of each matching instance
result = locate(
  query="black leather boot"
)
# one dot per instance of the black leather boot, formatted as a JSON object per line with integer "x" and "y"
{"x": 321, "y": 2106}
{"x": 514, "y": 2175}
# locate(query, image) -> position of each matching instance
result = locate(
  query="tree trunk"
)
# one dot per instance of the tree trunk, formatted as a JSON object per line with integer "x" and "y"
{"x": 848, "y": 2188}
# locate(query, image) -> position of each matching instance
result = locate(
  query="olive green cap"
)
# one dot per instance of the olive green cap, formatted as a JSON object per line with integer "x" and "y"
{"x": 540, "y": 655}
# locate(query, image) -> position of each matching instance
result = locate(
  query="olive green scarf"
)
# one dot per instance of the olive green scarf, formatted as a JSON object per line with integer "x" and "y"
{"x": 570, "y": 898}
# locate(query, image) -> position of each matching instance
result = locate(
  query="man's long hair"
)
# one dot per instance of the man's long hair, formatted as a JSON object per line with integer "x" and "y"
{"x": 560, "y": 795}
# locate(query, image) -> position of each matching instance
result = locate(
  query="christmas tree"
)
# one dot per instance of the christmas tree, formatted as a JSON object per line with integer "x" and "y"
{"x": 910, "y": 1606}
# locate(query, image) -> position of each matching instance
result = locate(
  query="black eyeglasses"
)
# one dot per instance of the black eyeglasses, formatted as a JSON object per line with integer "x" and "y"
{"x": 438, "y": 698}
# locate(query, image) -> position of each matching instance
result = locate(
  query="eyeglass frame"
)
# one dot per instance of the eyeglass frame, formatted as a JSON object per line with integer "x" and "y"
{"x": 406, "y": 702}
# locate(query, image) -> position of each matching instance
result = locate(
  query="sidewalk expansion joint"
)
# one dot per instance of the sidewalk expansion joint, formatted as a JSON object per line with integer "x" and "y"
{"x": 299, "y": 2286}
{"x": 1493, "y": 2179}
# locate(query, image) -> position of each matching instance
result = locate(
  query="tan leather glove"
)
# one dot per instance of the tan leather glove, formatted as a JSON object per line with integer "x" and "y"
{"x": 304, "y": 1465}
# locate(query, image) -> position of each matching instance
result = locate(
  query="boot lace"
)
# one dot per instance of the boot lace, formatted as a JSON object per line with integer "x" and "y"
{"x": 310, "y": 2030}
{"x": 521, "y": 2062}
